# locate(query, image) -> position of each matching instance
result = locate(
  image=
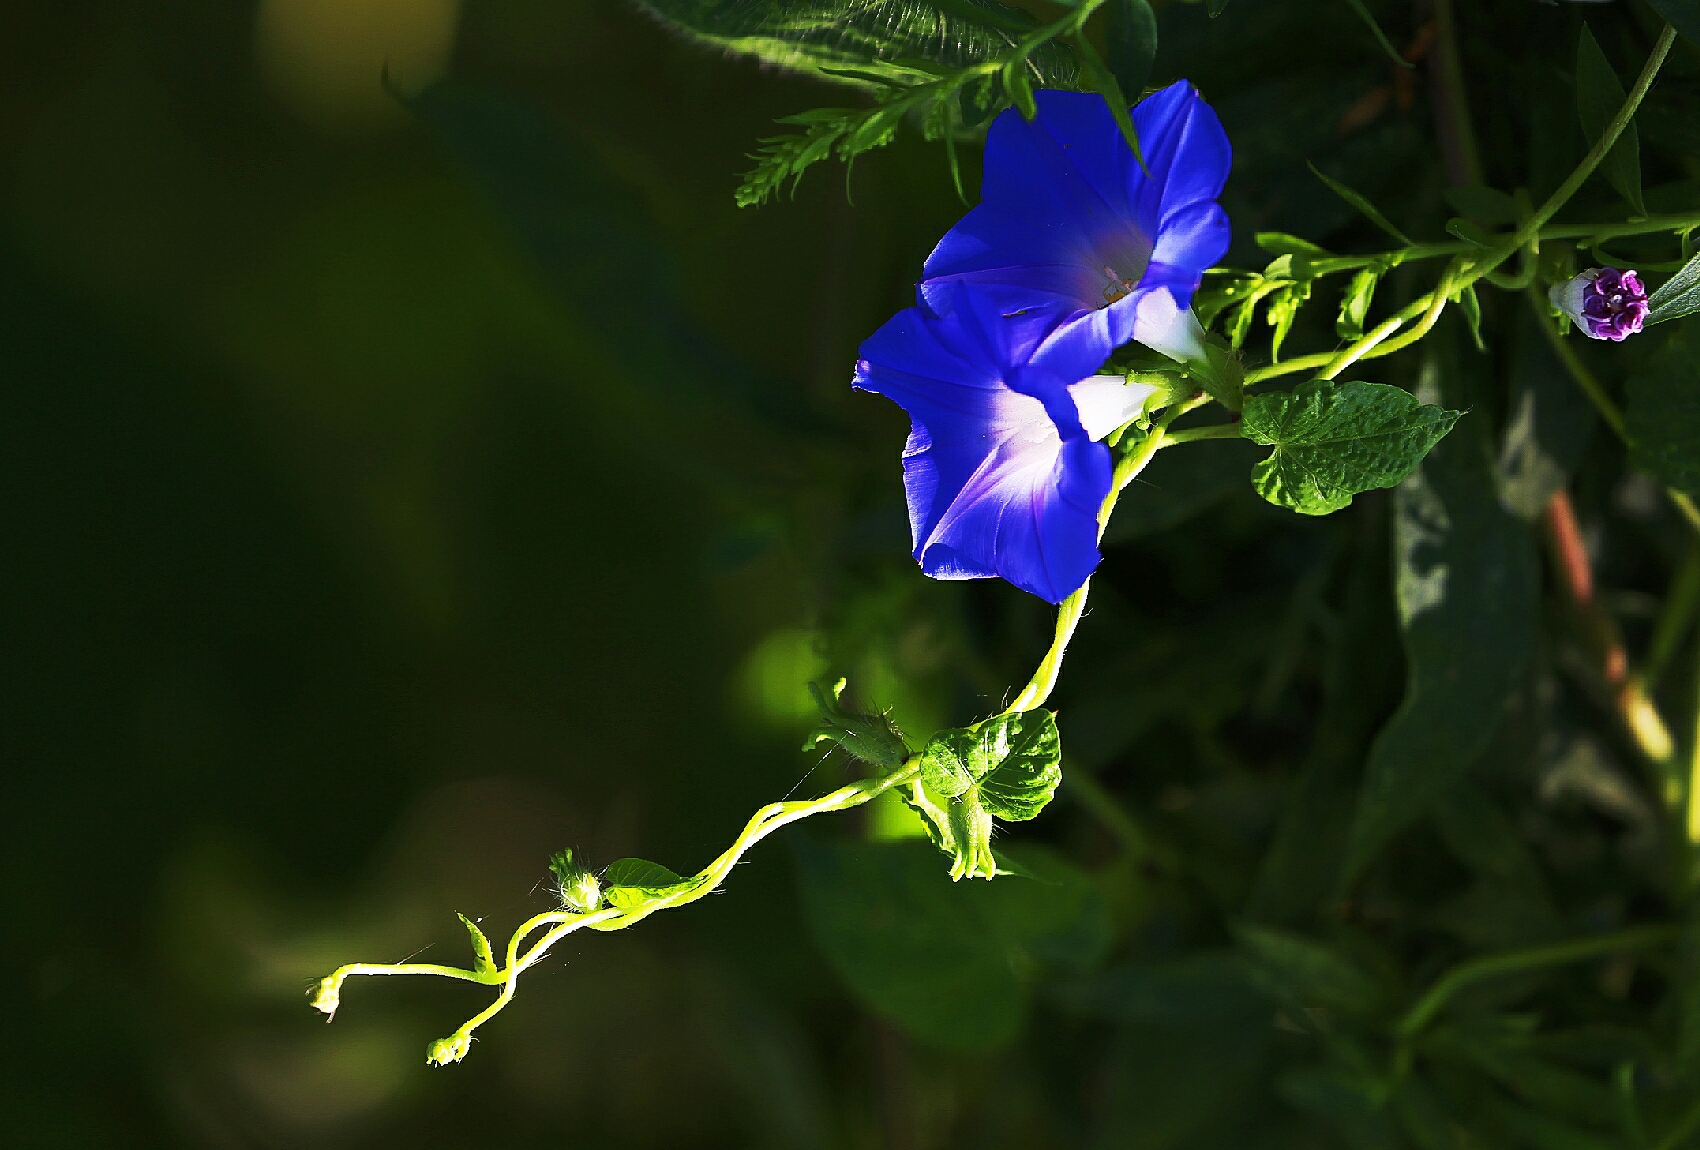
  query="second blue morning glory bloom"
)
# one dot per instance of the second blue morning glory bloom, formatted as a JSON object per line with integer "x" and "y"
{"x": 1069, "y": 221}
{"x": 1004, "y": 470}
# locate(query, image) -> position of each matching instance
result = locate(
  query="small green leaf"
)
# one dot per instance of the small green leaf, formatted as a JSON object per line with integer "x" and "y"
{"x": 1381, "y": 37}
{"x": 1599, "y": 96}
{"x": 1216, "y": 7}
{"x": 483, "y": 960}
{"x": 1131, "y": 36}
{"x": 1282, "y": 311}
{"x": 632, "y": 882}
{"x": 1488, "y": 206}
{"x": 1104, "y": 82}
{"x": 1334, "y": 440}
{"x": 1677, "y": 296}
{"x": 1354, "y": 304}
{"x": 1471, "y": 306}
{"x": 1370, "y": 211}
{"x": 1282, "y": 243}
{"x": 1470, "y": 232}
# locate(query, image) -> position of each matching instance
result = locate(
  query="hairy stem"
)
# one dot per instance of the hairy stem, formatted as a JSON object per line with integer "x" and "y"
{"x": 1070, "y": 610}
{"x": 562, "y": 923}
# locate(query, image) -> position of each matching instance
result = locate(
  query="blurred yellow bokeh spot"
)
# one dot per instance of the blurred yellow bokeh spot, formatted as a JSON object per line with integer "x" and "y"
{"x": 325, "y": 59}
{"x": 773, "y": 683}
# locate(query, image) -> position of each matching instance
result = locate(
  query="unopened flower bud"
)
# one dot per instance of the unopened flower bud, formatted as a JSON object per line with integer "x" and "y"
{"x": 873, "y": 738}
{"x": 328, "y": 996}
{"x": 577, "y": 887}
{"x": 451, "y": 1049}
{"x": 1604, "y": 303}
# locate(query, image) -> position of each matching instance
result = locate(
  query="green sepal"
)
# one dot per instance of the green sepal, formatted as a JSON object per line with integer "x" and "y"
{"x": 576, "y": 887}
{"x": 1471, "y": 306}
{"x": 873, "y": 738}
{"x": 633, "y": 882}
{"x": 1283, "y": 310}
{"x": 1354, "y": 304}
{"x": 483, "y": 958}
{"x": 1335, "y": 440}
{"x": 1220, "y": 373}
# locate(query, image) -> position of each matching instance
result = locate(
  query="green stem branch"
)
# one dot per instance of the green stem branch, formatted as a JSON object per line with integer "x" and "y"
{"x": 1532, "y": 227}
{"x": 1510, "y": 962}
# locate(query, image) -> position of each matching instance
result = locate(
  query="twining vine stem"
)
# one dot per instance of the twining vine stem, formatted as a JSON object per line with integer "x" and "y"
{"x": 562, "y": 923}
{"x": 1468, "y": 263}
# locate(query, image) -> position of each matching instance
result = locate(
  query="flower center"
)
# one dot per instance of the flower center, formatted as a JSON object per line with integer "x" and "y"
{"x": 1117, "y": 286}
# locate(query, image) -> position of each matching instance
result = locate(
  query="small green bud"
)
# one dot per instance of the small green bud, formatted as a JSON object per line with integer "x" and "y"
{"x": 872, "y": 738}
{"x": 451, "y": 1049}
{"x": 578, "y": 889}
{"x": 328, "y": 996}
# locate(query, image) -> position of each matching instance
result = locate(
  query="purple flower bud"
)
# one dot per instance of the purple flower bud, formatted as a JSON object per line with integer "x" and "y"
{"x": 1604, "y": 302}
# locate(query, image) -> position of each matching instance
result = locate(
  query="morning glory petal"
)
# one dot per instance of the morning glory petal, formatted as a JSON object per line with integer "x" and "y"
{"x": 1000, "y": 475}
{"x": 1106, "y": 402}
{"x": 1071, "y": 224}
{"x": 1032, "y": 508}
{"x": 1162, "y": 325}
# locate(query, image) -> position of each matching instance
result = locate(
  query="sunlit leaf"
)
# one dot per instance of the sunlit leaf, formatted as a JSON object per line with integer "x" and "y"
{"x": 1007, "y": 768}
{"x": 1334, "y": 440}
{"x": 630, "y": 882}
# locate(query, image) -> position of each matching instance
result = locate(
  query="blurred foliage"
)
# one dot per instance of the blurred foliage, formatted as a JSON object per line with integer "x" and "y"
{"x": 404, "y": 486}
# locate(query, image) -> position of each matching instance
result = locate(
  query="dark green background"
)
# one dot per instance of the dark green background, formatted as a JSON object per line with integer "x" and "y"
{"x": 392, "y": 497}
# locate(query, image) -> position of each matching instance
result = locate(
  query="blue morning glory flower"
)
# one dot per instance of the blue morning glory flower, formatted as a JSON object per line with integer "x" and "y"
{"x": 1068, "y": 221}
{"x": 1003, "y": 469}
